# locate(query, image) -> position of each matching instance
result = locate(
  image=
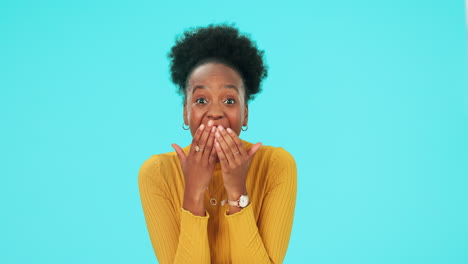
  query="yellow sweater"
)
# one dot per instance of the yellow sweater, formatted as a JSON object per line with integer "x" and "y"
{"x": 259, "y": 233}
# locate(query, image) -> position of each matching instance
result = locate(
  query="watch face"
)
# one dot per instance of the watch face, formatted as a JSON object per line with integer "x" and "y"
{"x": 243, "y": 201}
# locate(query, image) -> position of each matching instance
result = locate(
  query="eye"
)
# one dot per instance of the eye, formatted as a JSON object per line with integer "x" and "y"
{"x": 201, "y": 100}
{"x": 230, "y": 101}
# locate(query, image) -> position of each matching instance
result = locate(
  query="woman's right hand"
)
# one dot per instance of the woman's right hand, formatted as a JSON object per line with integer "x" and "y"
{"x": 198, "y": 167}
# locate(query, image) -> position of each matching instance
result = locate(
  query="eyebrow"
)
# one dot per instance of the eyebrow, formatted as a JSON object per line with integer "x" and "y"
{"x": 229, "y": 86}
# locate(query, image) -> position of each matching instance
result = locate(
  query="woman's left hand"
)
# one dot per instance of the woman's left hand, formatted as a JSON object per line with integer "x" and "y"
{"x": 235, "y": 161}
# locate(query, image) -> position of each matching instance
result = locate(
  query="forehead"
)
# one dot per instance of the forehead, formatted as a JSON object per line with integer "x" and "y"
{"x": 214, "y": 76}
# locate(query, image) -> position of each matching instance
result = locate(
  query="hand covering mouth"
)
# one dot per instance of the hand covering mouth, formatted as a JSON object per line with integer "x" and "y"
{"x": 218, "y": 124}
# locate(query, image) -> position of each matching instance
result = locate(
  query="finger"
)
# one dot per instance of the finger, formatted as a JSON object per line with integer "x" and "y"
{"x": 224, "y": 146}
{"x": 213, "y": 154}
{"x": 254, "y": 149}
{"x": 204, "y": 136}
{"x": 208, "y": 149}
{"x": 222, "y": 157}
{"x": 230, "y": 143}
{"x": 180, "y": 153}
{"x": 195, "y": 139}
{"x": 238, "y": 142}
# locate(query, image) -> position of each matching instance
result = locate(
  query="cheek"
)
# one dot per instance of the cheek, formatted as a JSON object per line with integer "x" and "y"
{"x": 195, "y": 116}
{"x": 194, "y": 120}
{"x": 235, "y": 119}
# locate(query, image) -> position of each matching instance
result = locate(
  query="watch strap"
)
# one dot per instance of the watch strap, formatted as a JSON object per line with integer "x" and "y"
{"x": 237, "y": 202}
{"x": 233, "y": 203}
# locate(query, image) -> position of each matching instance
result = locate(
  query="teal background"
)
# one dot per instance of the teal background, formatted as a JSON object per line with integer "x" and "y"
{"x": 370, "y": 97}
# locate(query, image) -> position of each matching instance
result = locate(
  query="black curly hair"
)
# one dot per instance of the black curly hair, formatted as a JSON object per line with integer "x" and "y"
{"x": 218, "y": 43}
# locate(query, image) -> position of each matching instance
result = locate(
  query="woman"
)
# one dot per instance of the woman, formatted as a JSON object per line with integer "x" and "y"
{"x": 220, "y": 199}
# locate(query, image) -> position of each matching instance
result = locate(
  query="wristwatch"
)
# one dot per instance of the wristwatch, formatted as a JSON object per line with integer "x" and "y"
{"x": 242, "y": 202}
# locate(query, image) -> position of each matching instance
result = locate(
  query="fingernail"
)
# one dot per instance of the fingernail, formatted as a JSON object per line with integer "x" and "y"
{"x": 213, "y": 129}
{"x": 202, "y": 126}
{"x": 220, "y": 128}
{"x": 210, "y": 123}
{"x": 229, "y": 130}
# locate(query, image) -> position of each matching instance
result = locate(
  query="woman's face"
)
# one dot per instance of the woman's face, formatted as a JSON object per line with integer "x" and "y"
{"x": 215, "y": 92}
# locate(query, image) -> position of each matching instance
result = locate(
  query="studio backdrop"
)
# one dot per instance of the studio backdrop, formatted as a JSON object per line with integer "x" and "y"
{"x": 370, "y": 97}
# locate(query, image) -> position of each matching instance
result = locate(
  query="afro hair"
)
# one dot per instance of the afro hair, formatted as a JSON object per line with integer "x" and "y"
{"x": 218, "y": 43}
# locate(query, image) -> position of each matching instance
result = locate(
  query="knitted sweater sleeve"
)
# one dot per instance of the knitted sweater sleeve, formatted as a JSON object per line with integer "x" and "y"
{"x": 172, "y": 242}
{"x": 266, "y": 241}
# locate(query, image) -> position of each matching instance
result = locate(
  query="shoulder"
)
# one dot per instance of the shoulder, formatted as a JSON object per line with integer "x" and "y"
{"x": 153, "y": 168}
{"x": 159, "y": 161}
{"x": 275, "y": 155}
{"x": 274, "y": 163}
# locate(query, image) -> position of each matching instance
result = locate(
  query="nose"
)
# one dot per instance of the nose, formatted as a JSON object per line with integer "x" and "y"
{"x": 215, "y": 112}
